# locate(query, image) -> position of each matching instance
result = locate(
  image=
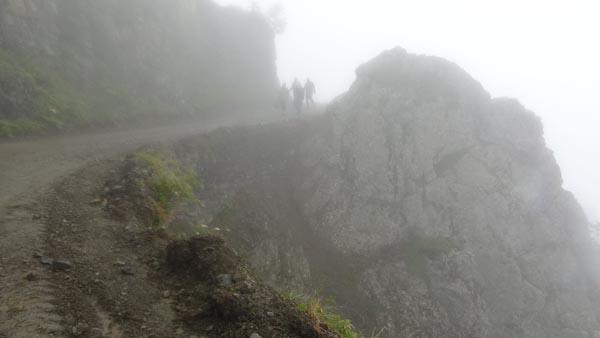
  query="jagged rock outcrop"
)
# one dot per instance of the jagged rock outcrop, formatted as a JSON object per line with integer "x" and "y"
{"x": 91, "y": 60}
{"x": 421, "y": 204}
{"x": 426, "y": 148}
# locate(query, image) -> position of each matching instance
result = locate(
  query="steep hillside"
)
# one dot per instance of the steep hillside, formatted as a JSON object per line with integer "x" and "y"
{"x": 423, "y": 206}
{"x": 65, "y": 62}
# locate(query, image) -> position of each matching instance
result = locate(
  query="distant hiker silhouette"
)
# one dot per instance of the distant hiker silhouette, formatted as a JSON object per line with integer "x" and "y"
{"x": 298, "y": 91}
{"x": 310, "y": 89}
{"x": 284, "y": 97}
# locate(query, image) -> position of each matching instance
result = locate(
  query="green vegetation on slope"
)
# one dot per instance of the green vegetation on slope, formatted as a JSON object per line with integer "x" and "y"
{"x": 322, "y": 313}
{"x": 169, "y": 183}
{"x": 32, "y": 100}
{"x": 69, "y": 64}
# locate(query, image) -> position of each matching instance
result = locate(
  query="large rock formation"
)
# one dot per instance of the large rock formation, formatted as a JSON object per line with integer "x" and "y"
{"x": 89, "y": 59}
{"x": 421, "y": 204}
{"x": 427, "y": 149}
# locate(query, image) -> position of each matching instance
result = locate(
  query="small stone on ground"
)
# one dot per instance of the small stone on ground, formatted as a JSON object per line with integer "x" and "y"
{"x": 31, "y": 277}
{"x": 61, "y": 265}
{"x": 128, "y": 270}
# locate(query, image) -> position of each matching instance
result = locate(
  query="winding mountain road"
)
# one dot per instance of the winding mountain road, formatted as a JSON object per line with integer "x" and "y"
{"x": 27, "y": 170}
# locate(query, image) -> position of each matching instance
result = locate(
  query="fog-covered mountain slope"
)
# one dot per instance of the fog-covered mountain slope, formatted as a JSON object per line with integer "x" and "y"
{"x": 79, "y": 62}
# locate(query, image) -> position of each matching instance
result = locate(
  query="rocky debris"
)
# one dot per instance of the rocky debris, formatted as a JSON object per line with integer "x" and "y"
{"x": 96, "y": 201}
{"x": 219, "y": 288}
{"x": 255, "y": 335}
{"x": 96, "y": 332}
{"x": 31, "y": 277}
{"x": 80, "y": 329}
{"x": 61, "y": 265}
{"x": 206, "y": 257}
{"x": 46, "y": 260}
{"x": 55, "y": 264}
{"x": 224, "y": 280}
{"x": 129, "y": 270}
{"x": 132, "y": 200}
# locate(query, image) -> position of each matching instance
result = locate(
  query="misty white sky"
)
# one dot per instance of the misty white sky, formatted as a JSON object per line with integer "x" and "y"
{"x": 545, "y": 53}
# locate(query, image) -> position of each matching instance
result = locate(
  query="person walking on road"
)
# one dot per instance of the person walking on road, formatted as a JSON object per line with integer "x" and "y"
{"x": 299, "y": 93}
{"x": 310, "y": 90}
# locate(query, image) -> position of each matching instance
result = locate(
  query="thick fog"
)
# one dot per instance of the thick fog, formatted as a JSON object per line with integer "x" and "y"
{"x": 545, "y": 53}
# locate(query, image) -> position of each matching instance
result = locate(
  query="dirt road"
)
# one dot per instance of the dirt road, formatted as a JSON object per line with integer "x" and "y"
{"x": 27, "y": 168}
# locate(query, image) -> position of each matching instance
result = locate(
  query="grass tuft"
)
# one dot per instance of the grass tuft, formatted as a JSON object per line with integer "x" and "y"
{"x": 324, "y": 314}
{"x": 169, "y": 182}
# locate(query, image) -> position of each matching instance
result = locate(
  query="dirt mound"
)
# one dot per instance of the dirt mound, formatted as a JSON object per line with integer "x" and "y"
{"x": 204, "y": 257}
{"x": 124, "y": 195}
{"x": 217, "y": 291}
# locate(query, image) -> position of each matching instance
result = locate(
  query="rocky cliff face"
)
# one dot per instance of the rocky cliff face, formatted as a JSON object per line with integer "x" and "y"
{"x": 116, "y": 58}
{"x": 421, "y": 204}
{"x": 426, "y": 149}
